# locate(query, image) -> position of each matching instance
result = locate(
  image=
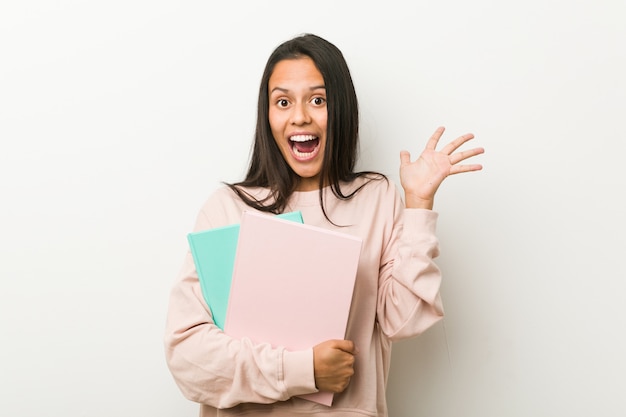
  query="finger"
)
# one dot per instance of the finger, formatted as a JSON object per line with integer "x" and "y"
{"x": 346, "y": 346}
{"x": 405, "y": 158}
{"x": 461, "y": 156}
{"x": 458, "y": 169}
{"x": 434, "y": 139}
{"x": 456, "y": 143}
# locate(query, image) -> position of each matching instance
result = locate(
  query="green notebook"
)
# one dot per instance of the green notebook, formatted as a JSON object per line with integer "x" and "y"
{"x": 213, "y": 253}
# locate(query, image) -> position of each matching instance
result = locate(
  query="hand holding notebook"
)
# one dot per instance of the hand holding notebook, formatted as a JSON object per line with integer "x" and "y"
{"x": 292, "y": 284}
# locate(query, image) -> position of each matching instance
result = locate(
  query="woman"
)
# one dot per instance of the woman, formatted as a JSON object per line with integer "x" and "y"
{"x": 303, "y": 159}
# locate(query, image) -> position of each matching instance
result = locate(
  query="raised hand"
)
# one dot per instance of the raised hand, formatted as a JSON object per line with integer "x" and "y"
{"x": 421, "y": 178}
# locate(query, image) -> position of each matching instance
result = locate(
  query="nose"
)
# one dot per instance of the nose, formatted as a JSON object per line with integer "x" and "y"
{"x": 300, "y": 114}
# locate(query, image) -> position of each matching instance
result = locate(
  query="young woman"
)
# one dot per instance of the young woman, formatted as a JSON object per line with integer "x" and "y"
{"x": 304, "y": 155}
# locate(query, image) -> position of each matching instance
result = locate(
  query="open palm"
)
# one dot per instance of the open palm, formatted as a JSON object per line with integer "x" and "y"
{"x": 421, "y": 178}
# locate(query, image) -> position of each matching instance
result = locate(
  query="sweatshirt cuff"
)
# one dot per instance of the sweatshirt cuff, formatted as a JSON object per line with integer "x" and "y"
{"x": 299, "y": 378}
{"x": 420, "y": 219}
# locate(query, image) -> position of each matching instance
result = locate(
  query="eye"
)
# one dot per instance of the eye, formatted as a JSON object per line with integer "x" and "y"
{"x": 318, "y": 101}
{"x": 282, "y": 102}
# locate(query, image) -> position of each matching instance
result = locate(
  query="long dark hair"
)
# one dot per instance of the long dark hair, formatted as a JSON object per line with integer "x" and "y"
{"x": 267, "y": 166}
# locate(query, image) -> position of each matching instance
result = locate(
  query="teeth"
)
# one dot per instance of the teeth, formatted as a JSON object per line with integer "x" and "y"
{"x": 301, "y": 154}
{"x": 302, "y": 138}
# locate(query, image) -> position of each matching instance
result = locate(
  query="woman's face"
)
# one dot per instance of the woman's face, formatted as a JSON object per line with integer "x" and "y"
{"x": 297, "y": 117}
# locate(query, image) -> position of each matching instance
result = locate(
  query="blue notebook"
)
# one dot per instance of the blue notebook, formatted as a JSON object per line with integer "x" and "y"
{"x": 213, "y": 254}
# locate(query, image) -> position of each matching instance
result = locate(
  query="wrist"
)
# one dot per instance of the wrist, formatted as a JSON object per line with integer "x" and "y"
{"x": 413, "y": 201}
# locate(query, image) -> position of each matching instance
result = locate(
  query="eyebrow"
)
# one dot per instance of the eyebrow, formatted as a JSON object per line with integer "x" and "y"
{"x": 285, "y": 90}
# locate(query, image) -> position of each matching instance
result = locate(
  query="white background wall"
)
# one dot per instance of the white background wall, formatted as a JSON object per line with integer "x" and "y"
{"x": 118, "y": 118}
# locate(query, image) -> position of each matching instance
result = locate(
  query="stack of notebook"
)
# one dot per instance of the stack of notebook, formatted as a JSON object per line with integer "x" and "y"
{"x": 275, "y": 280}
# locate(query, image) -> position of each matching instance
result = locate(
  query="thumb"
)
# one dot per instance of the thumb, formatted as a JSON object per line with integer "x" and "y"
{"x": 346, "y": 346}
{"x": 405, "y": 157}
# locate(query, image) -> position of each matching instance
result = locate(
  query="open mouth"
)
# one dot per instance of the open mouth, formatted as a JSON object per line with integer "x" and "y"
{"x": 304, "y": 146}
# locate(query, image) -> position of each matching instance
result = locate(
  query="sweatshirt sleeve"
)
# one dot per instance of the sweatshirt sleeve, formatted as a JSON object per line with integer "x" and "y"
{"x": 409, "y": 301}
{"x": 212, "y": 368}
